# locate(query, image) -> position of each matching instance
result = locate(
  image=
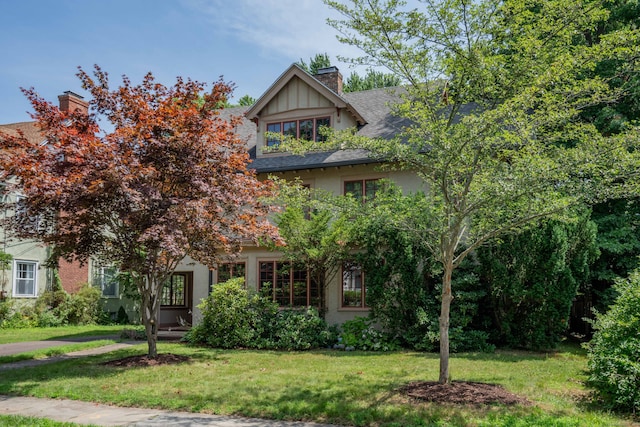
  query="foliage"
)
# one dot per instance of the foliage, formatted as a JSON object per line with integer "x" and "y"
{"x": 315, "y": 228}
{"x": 613, "y": 360}
{"x": 618, "y": 241}
{"x": 494, "y": 90}
{"x": 232, "y": 318}
{"x": 246, "y": 101}
{"x": 532, "y": 279}
{"x": 403, "y": 283}
{"x": 167, "y": 180}
{"x": 372, "y": 80}
{"x": 360, "y": 334}
{"x": 320, "y": 60}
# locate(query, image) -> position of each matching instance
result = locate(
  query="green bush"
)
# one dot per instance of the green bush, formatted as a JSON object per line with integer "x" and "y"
{"x": 232, "y": 318}
{"x": 532, "y": 279}
{"x": 614, "y": 351}
{"x": 360, "y": 334}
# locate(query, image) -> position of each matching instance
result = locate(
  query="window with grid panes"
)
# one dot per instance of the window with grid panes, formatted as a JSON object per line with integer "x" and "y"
{"x": 231, "y": 270}
{"x": 173, "y": 292}
{"x": 362, "y": 189}
{"x": 286, "y": 285}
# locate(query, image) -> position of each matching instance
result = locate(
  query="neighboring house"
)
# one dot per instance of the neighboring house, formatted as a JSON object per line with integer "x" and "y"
{"x": 28, "y": 276}
{"x": 298, "y": 104}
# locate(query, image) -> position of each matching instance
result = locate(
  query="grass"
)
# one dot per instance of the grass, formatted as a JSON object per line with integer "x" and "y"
{"x": 55, "y": 351}
{"x": 18, "y": 420}
{"x": 57, "y": 333}
{"x": 353, "y": 388}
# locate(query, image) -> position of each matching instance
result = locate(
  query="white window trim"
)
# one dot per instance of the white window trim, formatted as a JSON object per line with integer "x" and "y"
{"x": 101, "y": 277}
{"x": 15, "y": 278}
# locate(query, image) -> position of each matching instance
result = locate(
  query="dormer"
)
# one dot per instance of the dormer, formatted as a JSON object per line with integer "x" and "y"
{"x": 298, "y": 104}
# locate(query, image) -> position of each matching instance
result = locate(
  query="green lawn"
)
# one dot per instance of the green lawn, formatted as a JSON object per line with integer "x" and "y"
{"x": 354, "y": 388}
{"x": 62, "y": 332}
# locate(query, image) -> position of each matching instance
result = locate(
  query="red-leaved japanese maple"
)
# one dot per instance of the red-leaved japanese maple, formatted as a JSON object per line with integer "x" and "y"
{"x": 167, "y": 178}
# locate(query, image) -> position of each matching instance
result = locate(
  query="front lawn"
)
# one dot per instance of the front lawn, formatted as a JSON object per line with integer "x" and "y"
{"x": 57, "y": 333}
{"x": 350, "y": 388}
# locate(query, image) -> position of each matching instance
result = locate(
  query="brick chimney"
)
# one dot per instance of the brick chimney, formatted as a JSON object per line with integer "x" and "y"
{"x": 331, "y": 78}
{"x": 70, "y": 101}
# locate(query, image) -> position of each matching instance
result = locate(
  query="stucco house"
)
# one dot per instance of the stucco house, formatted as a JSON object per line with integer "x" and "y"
{"x": 297, "y": 104}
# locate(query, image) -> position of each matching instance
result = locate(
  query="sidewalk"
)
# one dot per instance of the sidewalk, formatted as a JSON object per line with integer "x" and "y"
{"x": 104, "y": 415}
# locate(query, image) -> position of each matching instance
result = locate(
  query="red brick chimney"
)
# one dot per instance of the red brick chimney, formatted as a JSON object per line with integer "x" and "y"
{"x": 331, "y": 78}
{"x": 70, "y": 101}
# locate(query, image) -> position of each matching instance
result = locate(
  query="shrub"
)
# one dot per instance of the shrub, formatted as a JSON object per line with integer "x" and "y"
{"x": 614, "y": 351}
{"x": 360, "y": 334}
{"x": 232, "y": 318}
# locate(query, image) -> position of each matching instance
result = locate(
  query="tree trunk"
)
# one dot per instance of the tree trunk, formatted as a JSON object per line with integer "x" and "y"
{"x": 445, "y": 307}
{"x": 150, "y": 291}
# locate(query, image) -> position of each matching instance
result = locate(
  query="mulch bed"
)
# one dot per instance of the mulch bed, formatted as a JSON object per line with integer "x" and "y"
{"x": 144, "y": 361}
{"x": 462, "y": 393}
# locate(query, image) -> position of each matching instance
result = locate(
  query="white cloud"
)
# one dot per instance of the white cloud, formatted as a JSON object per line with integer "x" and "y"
{"x": 290, "y": 28}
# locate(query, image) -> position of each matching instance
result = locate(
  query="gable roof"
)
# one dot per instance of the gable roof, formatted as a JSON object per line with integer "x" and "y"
{"x": 380, "y": 122}
{"x": 295, "y": 71}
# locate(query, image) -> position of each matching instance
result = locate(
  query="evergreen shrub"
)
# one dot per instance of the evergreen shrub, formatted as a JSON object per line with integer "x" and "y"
{"x": 614, "y": 351}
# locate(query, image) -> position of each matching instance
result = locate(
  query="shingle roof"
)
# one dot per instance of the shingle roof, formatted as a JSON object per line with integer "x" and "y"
{"x": 29, "y": 129}
{"x": 373, "y": 105}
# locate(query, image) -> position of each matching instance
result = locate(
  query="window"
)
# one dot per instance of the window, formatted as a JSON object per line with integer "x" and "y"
{"x": 231, "y": 270}
{"x": 308, "y": 129}
{"x": 288, "y": 286}
{"x": 173, "y": 292}
{"x": 106, "y": 279}
{"x": 362, "y": 189}
{"x": 24, "y": 278}
{"x": 354, "y": 292}
{"x": 32, "y": 222}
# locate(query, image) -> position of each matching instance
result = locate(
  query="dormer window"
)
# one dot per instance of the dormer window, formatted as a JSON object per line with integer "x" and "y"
{"x": 308, "y": 129}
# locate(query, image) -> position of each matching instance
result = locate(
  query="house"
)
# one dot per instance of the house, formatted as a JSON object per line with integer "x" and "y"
{"x": 298, "y": 104}
{"x": 27, "y": 276}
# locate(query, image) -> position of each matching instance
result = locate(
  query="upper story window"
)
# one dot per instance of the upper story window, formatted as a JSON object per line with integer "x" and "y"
{"x": 362, "y": 189}
{"x": 24, "y": 278}
{"x": 308, "y": 129}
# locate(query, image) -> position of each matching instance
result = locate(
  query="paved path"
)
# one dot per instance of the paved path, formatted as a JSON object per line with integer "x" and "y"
{"x": 104, "y": 415}
{"x": 23, "y": 347}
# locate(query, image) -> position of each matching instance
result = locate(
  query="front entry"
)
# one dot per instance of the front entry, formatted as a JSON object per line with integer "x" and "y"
{"x": 177, "y": 302}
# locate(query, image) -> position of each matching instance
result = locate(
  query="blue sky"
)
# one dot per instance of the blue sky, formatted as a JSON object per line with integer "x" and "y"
{"x": 248, "y": 42}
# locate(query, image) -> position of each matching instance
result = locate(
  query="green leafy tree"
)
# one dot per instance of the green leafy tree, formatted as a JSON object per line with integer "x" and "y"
{"x": 246, "y": 101}
{"x": 320, "y": 60}
{"x": 316, "y": 229}
{"x": 372, "y": 80}
{"x": 494, "y": 89}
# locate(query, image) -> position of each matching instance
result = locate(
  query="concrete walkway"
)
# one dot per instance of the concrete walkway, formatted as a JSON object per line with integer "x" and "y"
{"x": 104, "y": 415}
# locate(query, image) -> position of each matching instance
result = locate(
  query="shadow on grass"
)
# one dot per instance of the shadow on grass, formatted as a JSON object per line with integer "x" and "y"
{"x": 197, "y": 386}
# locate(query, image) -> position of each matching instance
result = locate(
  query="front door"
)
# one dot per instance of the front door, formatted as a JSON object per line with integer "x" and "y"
{"x": 177, "y": 305}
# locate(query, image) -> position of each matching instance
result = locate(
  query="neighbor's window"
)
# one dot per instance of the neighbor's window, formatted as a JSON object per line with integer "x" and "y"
{"x": 24, "y": 278}
{"x": 362, "y": 189}
{"x": 231, "y": 270}
{"x": 105, "y": 278}
{"x": 173, "y": 292}
{"x": 354, "y": 292}
{"x": 308, "y": 129}
{"x": 32, "y": 222}
{"x": 286, "y": 285}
